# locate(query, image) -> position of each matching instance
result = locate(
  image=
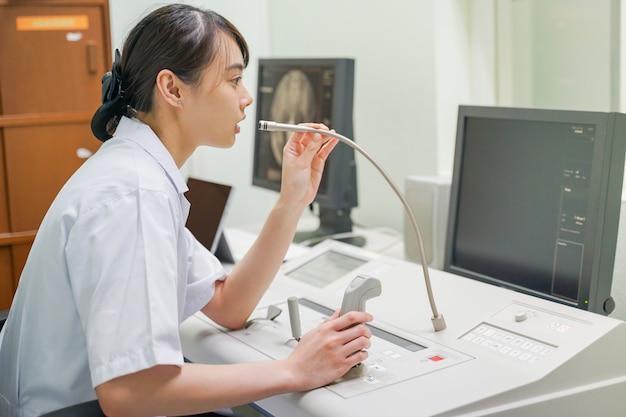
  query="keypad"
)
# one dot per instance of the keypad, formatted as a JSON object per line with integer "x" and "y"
{"x": 508, "y": 344}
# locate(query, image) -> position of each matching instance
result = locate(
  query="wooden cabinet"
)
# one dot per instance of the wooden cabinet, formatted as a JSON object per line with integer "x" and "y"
{"x": 53, "y": 55}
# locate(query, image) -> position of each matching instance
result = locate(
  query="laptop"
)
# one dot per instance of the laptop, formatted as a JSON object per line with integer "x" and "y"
{"x": 209, "y": 204}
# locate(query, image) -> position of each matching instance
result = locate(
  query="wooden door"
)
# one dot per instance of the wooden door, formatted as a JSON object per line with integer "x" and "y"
{"x": 53, "y": 58}
{"x": 6, "y": 266}
{"x": 53, "y": 54}
{"x": 33, "y": 176}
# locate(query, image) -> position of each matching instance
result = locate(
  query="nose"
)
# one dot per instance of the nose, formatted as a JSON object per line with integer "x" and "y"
{"x": 246, "y": 99}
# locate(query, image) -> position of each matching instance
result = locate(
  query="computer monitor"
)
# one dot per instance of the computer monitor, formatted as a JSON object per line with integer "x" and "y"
{"x": 310, "y": 90}
{"x": 210, "y": 202}
{"x": 535, "y": 201}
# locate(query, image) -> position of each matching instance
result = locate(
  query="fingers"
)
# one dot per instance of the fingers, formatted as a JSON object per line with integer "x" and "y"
{"x": 351, "y": 334}
{"x": 332, "y": 349}
{"x": 311, "y": 141}
{"x": 303, "y": 147}
{"x": 349, "y": 319}
{"x": 304, "y": 157}
{"x": 311, "y": 144}
{"x": 327, "y": 148}
{"x": 357, "y": 338}
{"x": 335, "y": 315}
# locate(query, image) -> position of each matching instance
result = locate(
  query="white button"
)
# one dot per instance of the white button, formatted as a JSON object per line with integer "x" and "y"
{"x": 521, "y": 316}
{"x": 377, "y": 367}
{"x": 527, "y": 345}
{"x": 515, "y": 353}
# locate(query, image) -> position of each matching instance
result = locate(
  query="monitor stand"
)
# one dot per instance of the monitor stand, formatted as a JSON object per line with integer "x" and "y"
{"x": 334, "y": 224}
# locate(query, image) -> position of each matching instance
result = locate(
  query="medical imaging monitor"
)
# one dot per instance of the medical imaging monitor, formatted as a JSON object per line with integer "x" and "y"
{"x": 535, "y": 201}
{"x": 309, "y": 90}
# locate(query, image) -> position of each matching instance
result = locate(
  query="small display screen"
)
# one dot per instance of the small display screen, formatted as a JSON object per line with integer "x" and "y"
{"x": 383, "y": 334}
{"x": 326, "y": 269}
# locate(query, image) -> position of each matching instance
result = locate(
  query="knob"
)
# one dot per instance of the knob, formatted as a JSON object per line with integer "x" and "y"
{"x": 521, "y": 316}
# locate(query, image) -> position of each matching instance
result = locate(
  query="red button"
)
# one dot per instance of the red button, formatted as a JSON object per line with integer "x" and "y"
{"x": 436, "y": 358}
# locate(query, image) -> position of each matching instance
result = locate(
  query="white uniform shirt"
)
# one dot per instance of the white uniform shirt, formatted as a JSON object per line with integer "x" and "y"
{"x": 111, "y": 275}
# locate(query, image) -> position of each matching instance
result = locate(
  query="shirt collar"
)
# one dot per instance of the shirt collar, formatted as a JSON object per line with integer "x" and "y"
{"x": 140, "y": 133}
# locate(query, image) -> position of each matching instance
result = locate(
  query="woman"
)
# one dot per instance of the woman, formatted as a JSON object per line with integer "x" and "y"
{"x": 113, "y": 271}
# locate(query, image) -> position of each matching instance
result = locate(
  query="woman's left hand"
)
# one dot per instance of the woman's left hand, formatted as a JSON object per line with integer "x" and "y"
{"x": 304, "y": 157}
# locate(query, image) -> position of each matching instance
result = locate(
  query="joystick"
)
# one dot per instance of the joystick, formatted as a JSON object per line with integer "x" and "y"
{"x": 361, "y": 289}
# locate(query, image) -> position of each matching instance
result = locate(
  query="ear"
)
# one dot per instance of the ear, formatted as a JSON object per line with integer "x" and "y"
{"x": 168, "y": 87}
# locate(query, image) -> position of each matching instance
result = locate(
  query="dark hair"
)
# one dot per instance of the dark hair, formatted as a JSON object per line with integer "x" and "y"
{"x": 178, "y": 37}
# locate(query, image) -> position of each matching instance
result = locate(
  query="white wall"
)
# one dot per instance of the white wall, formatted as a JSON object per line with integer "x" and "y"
{"x": 560, "y": 53}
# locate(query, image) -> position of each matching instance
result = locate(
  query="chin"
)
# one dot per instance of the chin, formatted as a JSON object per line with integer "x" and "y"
{"x": 228, "y": 143}
{"x": 219, "y": 142}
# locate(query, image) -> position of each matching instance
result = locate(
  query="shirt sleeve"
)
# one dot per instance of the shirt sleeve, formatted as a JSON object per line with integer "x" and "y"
{"x": 203, "y": 270}
{"x": 124, "y": 266}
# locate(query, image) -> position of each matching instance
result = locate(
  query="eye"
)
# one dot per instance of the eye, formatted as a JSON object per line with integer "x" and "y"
{"x": 237, "y": 80}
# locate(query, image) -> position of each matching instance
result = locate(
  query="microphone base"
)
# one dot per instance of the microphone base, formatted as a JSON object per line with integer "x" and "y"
{"x": 439, "y": 323}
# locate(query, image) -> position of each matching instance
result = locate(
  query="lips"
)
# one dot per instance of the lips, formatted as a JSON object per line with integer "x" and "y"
{"x": 237, "y": 128}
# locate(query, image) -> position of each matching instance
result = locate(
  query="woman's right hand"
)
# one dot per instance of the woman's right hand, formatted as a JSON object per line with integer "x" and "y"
{"x": 329, "y": 351}
{"x": 304, "y": 157}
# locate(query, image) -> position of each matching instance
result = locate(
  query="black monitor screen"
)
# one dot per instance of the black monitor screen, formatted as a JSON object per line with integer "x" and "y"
{"x": 209, "y": 204}
{"x": 535, "y": 201}
{"x": 309, "y": 90}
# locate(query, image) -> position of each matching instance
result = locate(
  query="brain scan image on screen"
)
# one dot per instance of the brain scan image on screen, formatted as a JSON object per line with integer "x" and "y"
{"x": 293, "y": 102}
{"x": 318, "y": 90}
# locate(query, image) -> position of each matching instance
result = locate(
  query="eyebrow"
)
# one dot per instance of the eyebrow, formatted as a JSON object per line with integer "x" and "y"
{"x": 236, "y": 66}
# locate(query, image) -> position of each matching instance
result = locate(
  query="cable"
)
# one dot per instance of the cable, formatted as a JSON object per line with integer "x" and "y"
{"x": 438, "y": 321}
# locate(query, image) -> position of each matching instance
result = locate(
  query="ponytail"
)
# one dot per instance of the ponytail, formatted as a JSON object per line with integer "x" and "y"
{"x": 106, "y": 118}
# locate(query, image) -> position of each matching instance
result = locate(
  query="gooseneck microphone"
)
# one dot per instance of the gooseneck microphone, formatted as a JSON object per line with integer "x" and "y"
{"x": 438, "y": 321}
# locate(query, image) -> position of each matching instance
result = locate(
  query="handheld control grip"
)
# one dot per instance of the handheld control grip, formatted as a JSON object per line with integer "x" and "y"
{"x": 361, "y": 289}
{"x": 294, "y": 317}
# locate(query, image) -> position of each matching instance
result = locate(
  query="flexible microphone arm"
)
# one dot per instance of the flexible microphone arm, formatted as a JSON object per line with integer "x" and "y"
{"x": 438, "y": 321}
